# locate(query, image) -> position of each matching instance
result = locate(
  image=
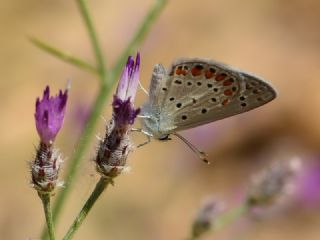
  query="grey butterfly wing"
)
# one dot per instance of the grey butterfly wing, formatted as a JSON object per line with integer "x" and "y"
{"x": 199, "y": 91}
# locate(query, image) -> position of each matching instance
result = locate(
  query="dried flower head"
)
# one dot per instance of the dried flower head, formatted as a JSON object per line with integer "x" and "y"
{"x": 273, "y": 182}
{"x": 114, "y": 149}
{"x": 49, "y": 114}
{"x": 207, "y": 214}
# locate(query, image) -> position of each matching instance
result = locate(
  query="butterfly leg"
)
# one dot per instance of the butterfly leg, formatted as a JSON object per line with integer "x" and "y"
{"x": 143, "y": 89}
{"x": 202, "y": 155}
{"x": 148, "y": 136}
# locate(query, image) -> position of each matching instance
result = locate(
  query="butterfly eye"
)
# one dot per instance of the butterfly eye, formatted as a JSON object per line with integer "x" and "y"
{"x": 213, "y": 99}
{"x": 177, "y": 82}
{"x": 199, "y": 83}
{"x": 209, "y": 85}
{"x": 171, "y": 99}
{"x": 189, "y": 83}
{"x": 179, "y": 105}
{"x": 215, "y": 89}
{"x": 164, "y": 89}
{"x": 184, "y": 117}
{"x": 242, "y": 98}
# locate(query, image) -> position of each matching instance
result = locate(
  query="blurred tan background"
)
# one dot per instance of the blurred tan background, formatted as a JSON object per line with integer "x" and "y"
{"x": 279, "y": 40}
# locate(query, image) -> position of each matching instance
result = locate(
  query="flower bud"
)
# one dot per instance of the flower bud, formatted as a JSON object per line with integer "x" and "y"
{"x": 45, "y": 169}
{"x": 207, "y": 214}
{"x": 271, "y": 183}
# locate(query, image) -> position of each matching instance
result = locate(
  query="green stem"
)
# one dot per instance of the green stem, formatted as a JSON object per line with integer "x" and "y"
{"x": 140, "y": 35}
{"x": 100, "y": 187}
{"x": 93, "y": 37}
{"x": 45, "y": 198}
{"x": 63, "y": 56}
{"x": 231, "y": 216}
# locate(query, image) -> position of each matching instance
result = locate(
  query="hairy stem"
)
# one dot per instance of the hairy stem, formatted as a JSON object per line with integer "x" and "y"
{"x": 45, "y": 198}
{"x": 100, "y": 187}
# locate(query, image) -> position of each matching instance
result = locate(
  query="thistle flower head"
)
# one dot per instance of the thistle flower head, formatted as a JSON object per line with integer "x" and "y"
{"x": 207, "y": 214}
{"x": 49, "y": 115}
{"x": 273, "y": 182}
{"x": 123, "y": 109}
{"x": 113, "y": 151}
{"x": 45, "y": 168}
{"x": 115, "y": 147}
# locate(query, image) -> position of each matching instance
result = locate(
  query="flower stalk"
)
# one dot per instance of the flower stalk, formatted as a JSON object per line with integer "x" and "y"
{"x": 45, "y": 198}
{"x": 98, "y": 190}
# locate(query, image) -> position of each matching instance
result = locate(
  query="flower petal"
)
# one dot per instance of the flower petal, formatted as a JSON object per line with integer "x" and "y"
{"x": 49, "y": 114}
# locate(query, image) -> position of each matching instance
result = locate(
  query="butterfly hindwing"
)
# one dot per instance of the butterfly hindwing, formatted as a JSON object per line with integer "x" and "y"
{"x": 198, "y": 91}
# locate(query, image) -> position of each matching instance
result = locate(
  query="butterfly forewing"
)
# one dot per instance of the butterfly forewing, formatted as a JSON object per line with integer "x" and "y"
{"x": 198, "y": 91}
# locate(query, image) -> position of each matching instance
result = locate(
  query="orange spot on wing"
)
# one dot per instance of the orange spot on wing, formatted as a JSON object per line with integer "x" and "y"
{"x": 196, "y": 70}
{"x": 210, "y": 73}
{"x": 221, "y": 76}
{"x": 228, "y": 82}
{"x": 228, "y": 92}
{"x": 184, "y": 72}
{"x": 225, "y": 102}
{"x": 179, "y": 70}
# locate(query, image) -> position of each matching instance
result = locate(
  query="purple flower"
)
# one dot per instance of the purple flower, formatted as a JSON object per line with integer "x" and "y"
{"x": 123, "y": 110}
{"x": 115, "y": 147}
{"x": 49, "y": 114}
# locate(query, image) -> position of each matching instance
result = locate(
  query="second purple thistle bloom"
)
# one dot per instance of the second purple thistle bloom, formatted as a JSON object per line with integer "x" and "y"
{"x": 123, "y": 109}
{"x": 49, "y": 114}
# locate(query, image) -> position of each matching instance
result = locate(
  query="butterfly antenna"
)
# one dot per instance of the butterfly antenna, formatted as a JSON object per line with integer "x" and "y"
{"x": 143, "y": 89}
{"x": 202, "y": 155}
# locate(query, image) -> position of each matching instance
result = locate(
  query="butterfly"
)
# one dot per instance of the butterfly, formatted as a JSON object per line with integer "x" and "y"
{"x": 196, "y": 91}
